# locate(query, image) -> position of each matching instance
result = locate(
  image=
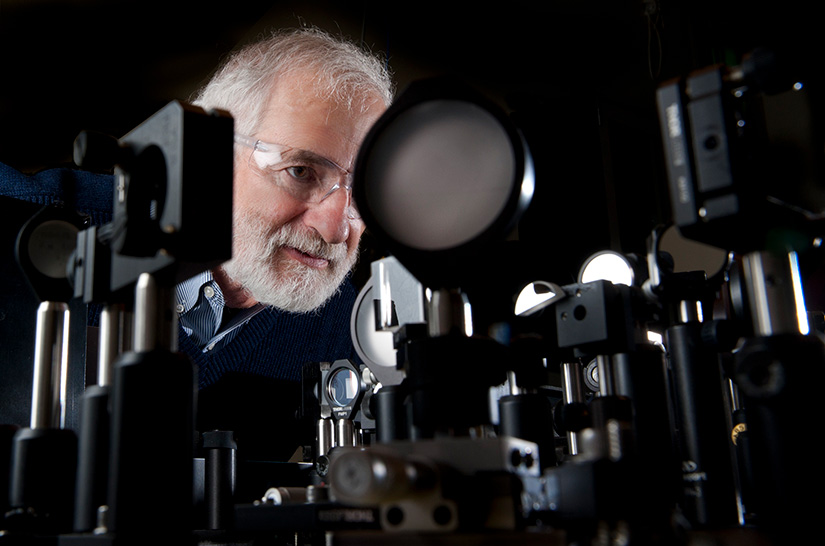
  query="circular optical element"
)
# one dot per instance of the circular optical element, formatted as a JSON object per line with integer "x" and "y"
{"x": 536, "y": 296}
{"x": 441, "y": 174}
{"x": 607, "y": 266}
{"x": 51, "y": 244}
{"x": 375, "y": 347}
{"x": 344, "y": 387}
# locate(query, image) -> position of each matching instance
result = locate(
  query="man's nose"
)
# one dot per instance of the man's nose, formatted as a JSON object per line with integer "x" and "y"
{"x": 331, "y": 217}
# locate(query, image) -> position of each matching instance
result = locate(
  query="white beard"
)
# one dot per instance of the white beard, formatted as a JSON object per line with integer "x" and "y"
{"x": 275, "y": 279}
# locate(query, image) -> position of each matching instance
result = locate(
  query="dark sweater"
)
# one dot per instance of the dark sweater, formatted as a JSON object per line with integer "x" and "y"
{"x": 275, "y": 344}
{"x": 252, "y": 385}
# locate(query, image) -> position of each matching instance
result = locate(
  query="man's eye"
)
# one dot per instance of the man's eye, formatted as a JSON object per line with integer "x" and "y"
{"x": 300, "y": 172}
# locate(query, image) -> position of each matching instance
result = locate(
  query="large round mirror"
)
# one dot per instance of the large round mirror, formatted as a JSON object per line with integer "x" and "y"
{"x": 440, "y": 175}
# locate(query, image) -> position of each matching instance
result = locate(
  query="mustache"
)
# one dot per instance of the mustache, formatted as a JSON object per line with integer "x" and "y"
{"x": 306, "y": 241}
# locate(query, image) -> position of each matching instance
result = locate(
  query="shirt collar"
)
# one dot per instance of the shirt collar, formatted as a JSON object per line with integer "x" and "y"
{"x": 188, "y": 291}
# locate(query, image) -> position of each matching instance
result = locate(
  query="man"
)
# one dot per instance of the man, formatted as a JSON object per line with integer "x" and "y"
{"x": 302, "y": 102}
{"x": 299, "y": 123}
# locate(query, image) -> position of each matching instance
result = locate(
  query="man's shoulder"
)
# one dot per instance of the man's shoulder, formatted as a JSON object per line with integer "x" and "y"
{"x": 88, "y": 192}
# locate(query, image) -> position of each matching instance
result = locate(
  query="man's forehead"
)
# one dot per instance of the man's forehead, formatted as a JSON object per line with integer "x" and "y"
{"x": 298, "y": 115}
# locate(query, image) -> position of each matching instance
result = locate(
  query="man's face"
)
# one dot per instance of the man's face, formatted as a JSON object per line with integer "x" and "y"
{"x": 286, "y": 252}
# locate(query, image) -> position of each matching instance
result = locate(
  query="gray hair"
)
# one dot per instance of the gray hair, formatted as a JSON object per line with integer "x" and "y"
{"x": 344, "y": 73}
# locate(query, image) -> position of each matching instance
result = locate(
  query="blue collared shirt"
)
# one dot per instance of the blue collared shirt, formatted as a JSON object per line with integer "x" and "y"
{"x": 200, "y": 307}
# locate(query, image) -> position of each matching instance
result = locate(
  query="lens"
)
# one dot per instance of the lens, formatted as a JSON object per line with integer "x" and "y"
{"x": 441, "y": 175}
{"x": 343, "y": 387}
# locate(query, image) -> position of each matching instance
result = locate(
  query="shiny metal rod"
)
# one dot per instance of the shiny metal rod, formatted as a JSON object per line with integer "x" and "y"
{"x": 344, "y": 433}
{"x": 115, "y": 338}
{"x": 155, "y": 323}
{"x": 51, "y": 362}
{"x": 772, "y": 293}
{"x": 607, "y": 385}
{"x": 572, "y": 391}
{"x": 325, "y": 432}
{"x": 449, "y": 312}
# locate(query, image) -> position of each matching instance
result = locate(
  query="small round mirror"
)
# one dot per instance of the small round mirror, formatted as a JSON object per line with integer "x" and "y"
{"x": 343, "y": 387}
{"x": 536, "y": 296}
{"x": 607, "y": 266}
{"x": 50, "y": 246}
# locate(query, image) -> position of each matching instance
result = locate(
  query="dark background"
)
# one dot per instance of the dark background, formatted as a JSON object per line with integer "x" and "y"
{"x": 578, "y": 77}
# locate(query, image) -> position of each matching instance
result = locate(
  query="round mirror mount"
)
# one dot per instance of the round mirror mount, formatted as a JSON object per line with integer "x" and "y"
{"x": 442, "y": 174}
